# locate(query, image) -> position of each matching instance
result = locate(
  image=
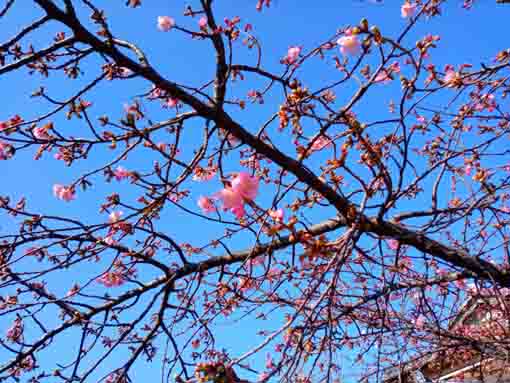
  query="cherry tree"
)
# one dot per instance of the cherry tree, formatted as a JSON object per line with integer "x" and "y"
{"x": 254, "y": 223}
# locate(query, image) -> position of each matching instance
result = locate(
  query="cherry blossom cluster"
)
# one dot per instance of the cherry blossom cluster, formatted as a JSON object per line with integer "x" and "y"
{"x": 117, "y": 276}
{"x": 242, "y": 189}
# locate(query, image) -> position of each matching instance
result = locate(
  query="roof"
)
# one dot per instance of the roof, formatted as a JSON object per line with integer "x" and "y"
{"x": 406, "y": 372}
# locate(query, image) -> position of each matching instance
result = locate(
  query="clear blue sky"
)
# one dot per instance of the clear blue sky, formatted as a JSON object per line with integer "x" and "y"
{"x": 466, "y": 37}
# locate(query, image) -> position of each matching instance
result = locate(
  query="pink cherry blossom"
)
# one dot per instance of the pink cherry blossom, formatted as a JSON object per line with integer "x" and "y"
{"x": 65, "y": 193}
{"x": 204, "y": 174}
{"x": 320, "y": 143}
{"x": 15, "y": 120}
{"x": 112, "y": 279}
{"x": 73, "y": 291}
{"x": 162, "y": 146}
{"x": 269, "y": 362}
{"x": 195, "y": 343}
{"x": 384, "y": 74}
{"x": 59, "y": 155}
{"x": 252, "y": 262}
{"x": 171, "y": 102}
{"x": 420, "y": 321}
{"x": 449, "y": 75}
{"x": 134, "y": 109}
{"x": 115, "y": 216}
{"x": 395, "y": 67}
{"x": 202, "y": 22}
{"x": 165, "y": 23}
{"x": 408, "y": 9}
{"x": 238, "y": 211}
{"x": 246, "y": 186}
{"x": 6, "y": 151}
{"x": 109, "y": 240}
{"x": 486, "y": 101}
{"x": 383, "y": 77}
{"x": 349, "y": 44}
{"x": 230, "y": 198}
{"x": 155, "y": 93}
{"x": 450, "y": 78}
{"x": 256, "y": 96}
{"x": 27, "y": 364}
{"x": 15, "y": 332}
{"x": 292, "y": 55}
{"x": 206, "y": 204}
{"x": 392, "y": 244}
{"x": 41, "y": 133}
{"x": 123, "y": 72}
{"x": 277, "y": 215}
{"x": 461, "y": 284}
{"x": 120, "y": 173}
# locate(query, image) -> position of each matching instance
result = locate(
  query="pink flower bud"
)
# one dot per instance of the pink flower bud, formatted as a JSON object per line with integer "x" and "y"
{"x": 292, "y": 55}
{"x": 206, "y": 204}
{"x": 408, "y": 9}
{"x": 349, "y": 44}
{"x": 165, "y": 23}
{"x": 64, "y": 193}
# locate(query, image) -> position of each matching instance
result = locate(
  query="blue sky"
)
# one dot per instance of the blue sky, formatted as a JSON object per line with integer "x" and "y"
{"x": 466, "y": 37}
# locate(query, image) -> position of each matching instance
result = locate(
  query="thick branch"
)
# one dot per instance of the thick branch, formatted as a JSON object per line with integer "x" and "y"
{"x": 36, "y": 55}
{"x": 421, "y": 242}
{"x": 186, "y": 270}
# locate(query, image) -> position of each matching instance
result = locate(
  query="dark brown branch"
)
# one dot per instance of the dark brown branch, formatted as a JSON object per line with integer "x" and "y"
{"x": 24, "y": 32}
{"x": 421, "y": 242}
{"x": 247, "y": 68}
{"x": 37, "y": 55}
